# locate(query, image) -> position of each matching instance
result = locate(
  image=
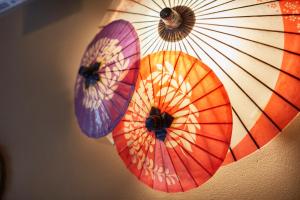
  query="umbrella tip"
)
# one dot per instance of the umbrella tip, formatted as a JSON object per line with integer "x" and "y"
{"x": 165, "y": 13}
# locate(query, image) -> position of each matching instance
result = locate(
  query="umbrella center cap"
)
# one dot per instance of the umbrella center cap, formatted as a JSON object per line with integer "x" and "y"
{"x": 90, "y": 74}
{"x": 159, "y": 122}
{"x": 176, "y": 23}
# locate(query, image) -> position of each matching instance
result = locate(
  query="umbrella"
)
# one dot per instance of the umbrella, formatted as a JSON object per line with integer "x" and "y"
{"x": 252, "y": 45}
{"x": 177, "y": 129}
{"x": 106, "y": 78}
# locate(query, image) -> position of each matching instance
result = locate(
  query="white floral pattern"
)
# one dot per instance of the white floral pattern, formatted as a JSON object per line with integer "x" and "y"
{"x": 107, "y": 52}
{"x": 290, "y": 7}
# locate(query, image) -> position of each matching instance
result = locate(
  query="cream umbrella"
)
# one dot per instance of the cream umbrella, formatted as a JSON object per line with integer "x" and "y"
{"x": 252, "y": 45}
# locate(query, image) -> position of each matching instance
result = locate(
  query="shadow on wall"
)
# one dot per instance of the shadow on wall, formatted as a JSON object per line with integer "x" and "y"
{"x": 39, "y": 14}
{"x": 2, "y": 174}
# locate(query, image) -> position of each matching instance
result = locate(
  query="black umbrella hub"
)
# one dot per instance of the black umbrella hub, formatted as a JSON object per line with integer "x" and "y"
{"x": 171, "y": 18}
{"x": 158, "y": 123}
{"x": 90, "y": 74}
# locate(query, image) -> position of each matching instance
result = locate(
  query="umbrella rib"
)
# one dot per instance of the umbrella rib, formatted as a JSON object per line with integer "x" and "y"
{"x": 250, "y": 74}
{"x": 148, "y": 109}
{"x": 248, "y": 28}
{"x": 149, "y": 58}
{"x": 203, "y": 110}
{"x": 204, "y": 123}
{"x": 157, "y": 4}
{"x": 127, "y": 146}
{"x": 232, "y": 153}
{"x": 245, "y": 127}
{"x": 201, "y": 2}
{"x": 154, "y": 152}
{"x": 123, "y": 133}
{"x": 142, "y": 22}
{"x": 162, "y": 76}
{"x": 145, "y": 27}
{"x": 202, "y": 135}
{"x": 140, "y": 148}
{"x": 251, "y": 16}
{"x": 164, "y": 3}
{"x": 198, "y": 146}
{"x": 132, "y": 13}
{"x": 192, "y": 66}
{"x": 205, "y": 5}
{"x": 245, "y": 93}
{"x": 145, "y": 88}
{"x": 186, "y": 94}
{"x": 164, "y": 166}
{"x": 144, "y": 5}
{"x": 199, "y": 11}
{"x": 240, "y": 7}
{"x": 187, "y": 170}
{"x": 174, "y": 169}
{"x": 120, "y": 70}
{"x": 190, "y": 3}
{"x": 129, "y": 110}
{"x": 264, "y": 44}
{"x": 176, "y": 63}
{"x": 135, "y": 121}
{"x": 146, "y": 155}
{"x": 206, "y": 170}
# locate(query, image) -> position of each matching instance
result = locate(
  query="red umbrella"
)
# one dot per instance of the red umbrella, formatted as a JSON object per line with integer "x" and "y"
{"x": 177, "y": 129}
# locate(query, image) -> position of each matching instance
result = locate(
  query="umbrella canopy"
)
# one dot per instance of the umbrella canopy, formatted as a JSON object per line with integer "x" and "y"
{"x": 177, "y": 130}
{"x": 252, "y": 45}
{"x": 106, "y": 78}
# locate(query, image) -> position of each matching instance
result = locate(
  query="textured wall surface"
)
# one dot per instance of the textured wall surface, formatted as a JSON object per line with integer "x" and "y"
{"x": 47, "y": 157}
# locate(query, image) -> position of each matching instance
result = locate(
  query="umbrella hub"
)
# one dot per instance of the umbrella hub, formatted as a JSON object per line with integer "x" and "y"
{"x": 176, "y": 23}
{"x": 171, "y": 18}
{"x": 159, "y": 122}
{"x": 90, "y": 74}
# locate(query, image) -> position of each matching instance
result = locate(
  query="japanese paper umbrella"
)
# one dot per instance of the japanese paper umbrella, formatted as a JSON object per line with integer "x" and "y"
{"x": 106, "y": 78}
{"x": 252, "y": 45}
{"x": 177, "y": 129}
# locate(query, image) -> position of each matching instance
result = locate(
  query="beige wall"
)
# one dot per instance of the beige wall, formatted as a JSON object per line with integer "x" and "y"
{"x": 48, "y": 158}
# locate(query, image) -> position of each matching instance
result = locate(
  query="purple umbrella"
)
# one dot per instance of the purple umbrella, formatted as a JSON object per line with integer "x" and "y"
{"x": 106, "y": 78}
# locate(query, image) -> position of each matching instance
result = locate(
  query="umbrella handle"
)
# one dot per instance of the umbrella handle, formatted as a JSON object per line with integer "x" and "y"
{"x": 171, "y": 18}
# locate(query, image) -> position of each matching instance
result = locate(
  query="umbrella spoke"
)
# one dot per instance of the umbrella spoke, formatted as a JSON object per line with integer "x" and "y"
{"x": 146, "y": 156}
{"x": 196, "y": 145}
{"x": 168, "y": 87}
{"x": 154, "y": 1}
{"x": 127, "y": 146}
{"x": 203, "y": 110}
{"x": 150, "y": 8}
{"x": 248, "y": 28}
{"x": 232, "y": 153}
{"x": 186, "y": 168}
{"x": 192, "y": 66}
{"x": 240, "y": 7}
{"x": 199, "y": 11}
{"x": 245, "y": 127}
{"x": 163, "y": 165}
{"x": 123, "y": 133}
{"x": 191, "y": 156}
{"x": 205, "y": 5}
{"x": 201, "y": 135}
{"x": 251, "y": 16}
{"x": 132, "y": 13}
{"x": 189, "y": 91}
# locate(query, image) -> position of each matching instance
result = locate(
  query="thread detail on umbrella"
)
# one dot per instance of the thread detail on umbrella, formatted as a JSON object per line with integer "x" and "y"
{"x": 90, "y": 74}
{"x": 159, "y": 122}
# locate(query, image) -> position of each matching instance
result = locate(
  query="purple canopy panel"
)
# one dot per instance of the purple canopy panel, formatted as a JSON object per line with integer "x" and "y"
{"x": 106, "y": 79}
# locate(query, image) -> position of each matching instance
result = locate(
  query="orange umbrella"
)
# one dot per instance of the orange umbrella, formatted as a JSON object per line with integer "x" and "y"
{"x": 177, "y": 130}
